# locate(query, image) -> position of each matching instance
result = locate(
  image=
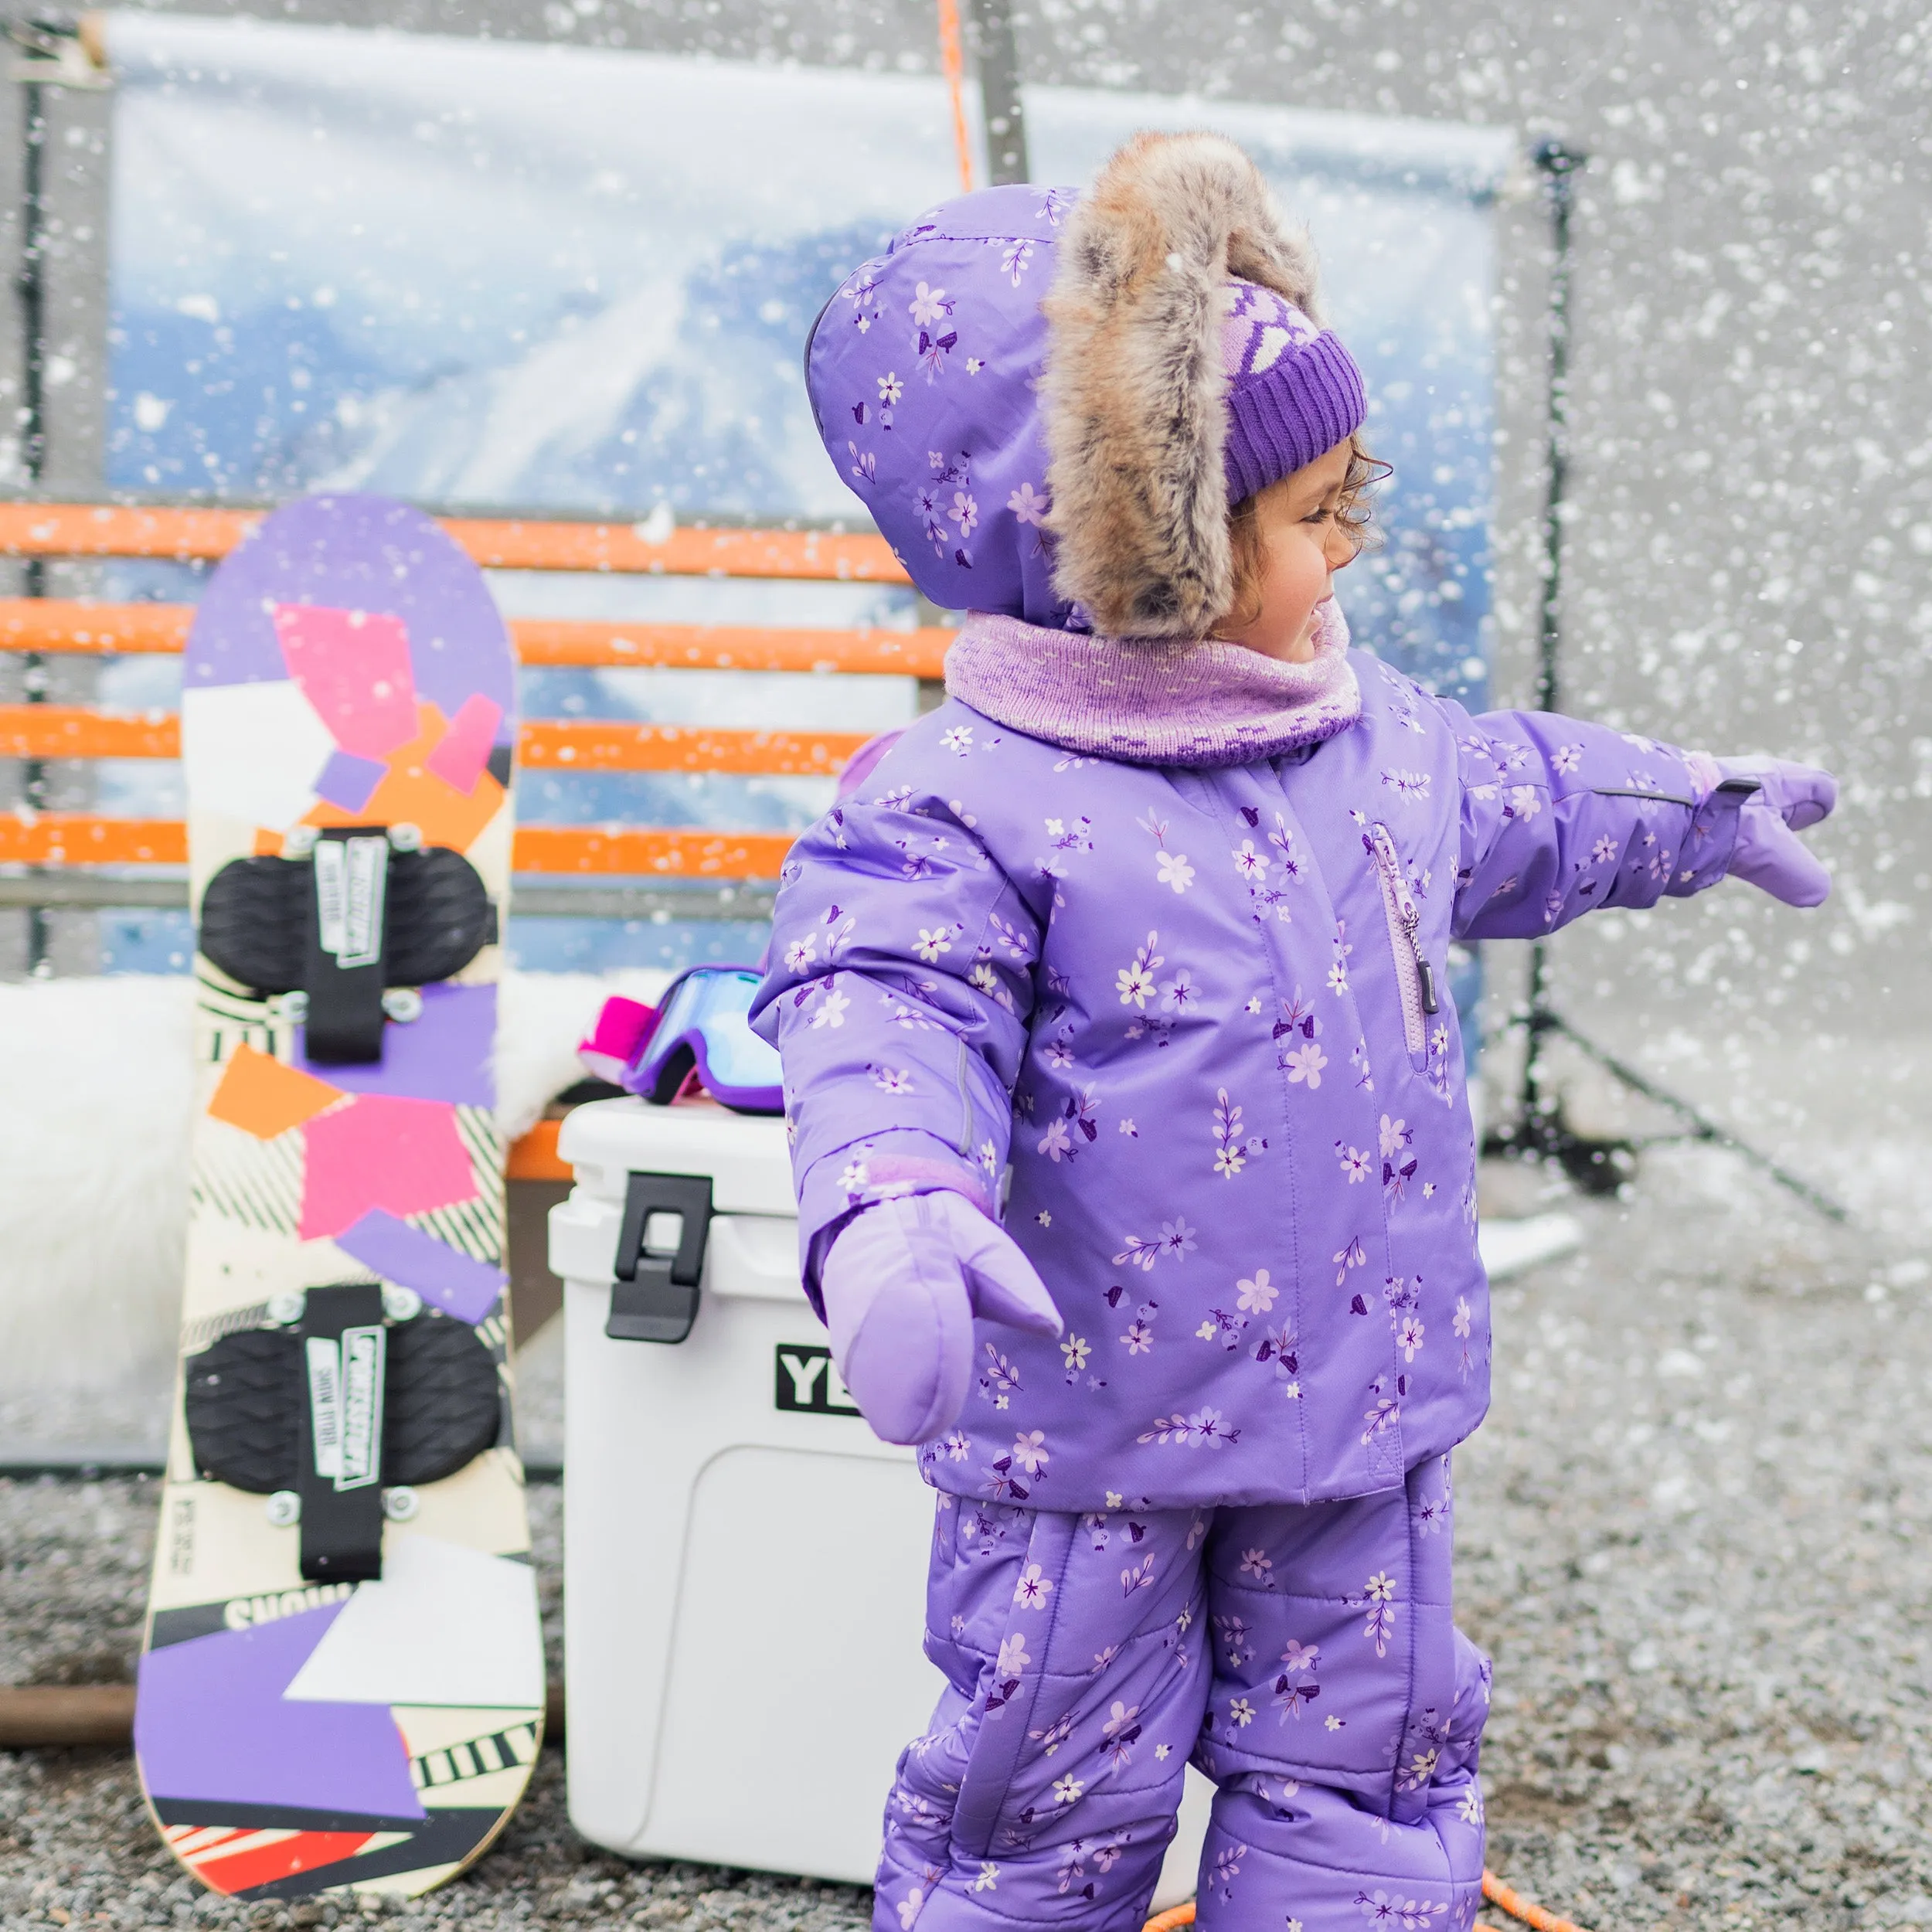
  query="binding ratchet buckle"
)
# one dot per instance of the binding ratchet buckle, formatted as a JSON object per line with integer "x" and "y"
{"x": 345, "y": 976}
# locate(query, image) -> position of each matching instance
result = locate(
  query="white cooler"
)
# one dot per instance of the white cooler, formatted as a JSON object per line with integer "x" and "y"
{"x": 744, "y": 1561}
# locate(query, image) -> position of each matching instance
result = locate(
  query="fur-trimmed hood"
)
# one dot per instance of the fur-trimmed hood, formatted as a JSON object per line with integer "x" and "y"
{"x": 1026, "y": 389}
{"x": 1134, "y": 393}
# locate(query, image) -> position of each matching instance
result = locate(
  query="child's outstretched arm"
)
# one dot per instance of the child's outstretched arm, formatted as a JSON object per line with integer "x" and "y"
{"x": 1559, "y": 817}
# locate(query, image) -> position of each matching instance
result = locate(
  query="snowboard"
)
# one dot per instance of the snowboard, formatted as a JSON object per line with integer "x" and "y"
{"x": 341, "y": 1686}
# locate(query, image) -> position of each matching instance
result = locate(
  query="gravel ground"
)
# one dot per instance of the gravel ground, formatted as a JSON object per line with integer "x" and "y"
{"x": 1691, "y": 1534}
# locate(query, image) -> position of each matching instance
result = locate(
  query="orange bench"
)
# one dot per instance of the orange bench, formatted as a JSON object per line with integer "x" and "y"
{"x": 52, "y": 626}
{"x": 55, "y": 626}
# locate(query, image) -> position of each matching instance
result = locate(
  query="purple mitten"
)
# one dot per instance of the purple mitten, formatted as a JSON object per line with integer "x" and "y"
{"x": 902, "y": 1285}
{"x": 1789, "y": 798}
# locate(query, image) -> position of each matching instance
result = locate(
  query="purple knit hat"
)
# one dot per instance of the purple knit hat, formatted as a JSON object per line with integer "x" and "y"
{"x": 1293, "y": 391}
{"x": 930, "y": 373}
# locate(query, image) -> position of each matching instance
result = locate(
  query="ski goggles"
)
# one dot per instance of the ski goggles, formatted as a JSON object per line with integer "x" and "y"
{"x": 700, "y": 1027}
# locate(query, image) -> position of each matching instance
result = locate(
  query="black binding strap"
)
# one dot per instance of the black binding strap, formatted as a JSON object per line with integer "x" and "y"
{"x": 339, "y": 1471}
{"x": 436, "y": 917}
{"x": 654, "y": 1297}
{"x": 246, "y": 1393}
{"x": 345, "y": 976}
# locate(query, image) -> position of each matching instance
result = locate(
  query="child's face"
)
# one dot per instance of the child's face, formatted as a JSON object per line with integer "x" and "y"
{"x": 1303, "y": 544}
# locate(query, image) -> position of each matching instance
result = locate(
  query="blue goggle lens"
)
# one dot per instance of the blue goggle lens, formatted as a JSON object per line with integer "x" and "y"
{"x": 714, "y": 1001}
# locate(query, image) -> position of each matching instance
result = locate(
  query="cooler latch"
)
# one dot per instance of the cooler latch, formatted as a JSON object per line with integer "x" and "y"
{"x": 660, "y": 1259}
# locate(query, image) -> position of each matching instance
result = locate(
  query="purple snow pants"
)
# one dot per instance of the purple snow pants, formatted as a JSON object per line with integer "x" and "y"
{"x": 1303, "y": 1656}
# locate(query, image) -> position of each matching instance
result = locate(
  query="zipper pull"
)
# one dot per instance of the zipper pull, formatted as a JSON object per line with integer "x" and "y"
{"x": 1425, "y": 973}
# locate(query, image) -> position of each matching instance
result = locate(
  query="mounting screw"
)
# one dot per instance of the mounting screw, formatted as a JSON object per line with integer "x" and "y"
{"x": 400, "y": 1303}
{"x": 284, "y": 1508}
{"x": 286, "y": 1307}
{"x": 291, "y": 1006}
{"x": 402, "y": 1004}
{"x": 406, "y": 837}
{"x": 299, "y": 841}
{"x": 400, "y": 1503}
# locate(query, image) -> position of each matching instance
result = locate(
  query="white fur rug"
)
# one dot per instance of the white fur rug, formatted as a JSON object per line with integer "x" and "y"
{"x": 94, "y": 1104}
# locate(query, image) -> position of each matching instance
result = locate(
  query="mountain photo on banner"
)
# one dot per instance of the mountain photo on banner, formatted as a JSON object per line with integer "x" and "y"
{"x": 577, "y": 282}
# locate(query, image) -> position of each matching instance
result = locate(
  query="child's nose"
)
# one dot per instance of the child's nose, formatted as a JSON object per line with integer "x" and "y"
{"x": 1341, "y": 549}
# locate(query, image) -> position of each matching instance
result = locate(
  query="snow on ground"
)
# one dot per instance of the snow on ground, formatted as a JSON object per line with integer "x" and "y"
{"x": 1693, "y": 1533}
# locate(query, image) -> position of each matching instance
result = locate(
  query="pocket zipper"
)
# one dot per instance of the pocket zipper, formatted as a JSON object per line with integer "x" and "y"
{"x": 1414, "y": 976}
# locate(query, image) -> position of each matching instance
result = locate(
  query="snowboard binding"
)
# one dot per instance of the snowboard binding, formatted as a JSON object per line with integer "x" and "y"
{"x": 351, "y": 1397}
{"x": 349, "y": 921}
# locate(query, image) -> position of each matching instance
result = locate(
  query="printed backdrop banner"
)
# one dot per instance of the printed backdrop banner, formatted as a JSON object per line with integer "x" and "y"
{"x": 575, "y": 280}
{"x": 572, "y": 281}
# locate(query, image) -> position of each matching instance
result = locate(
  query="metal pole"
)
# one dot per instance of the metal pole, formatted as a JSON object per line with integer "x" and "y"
{"x": 952, "y": 60}
{"x": 1557, "y": 164}
{"x": 30, "y": 284}
{"x": 996, "y": 49}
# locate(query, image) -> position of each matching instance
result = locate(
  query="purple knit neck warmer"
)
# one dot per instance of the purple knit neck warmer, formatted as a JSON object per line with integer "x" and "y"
{"x": 1205, "y": 704}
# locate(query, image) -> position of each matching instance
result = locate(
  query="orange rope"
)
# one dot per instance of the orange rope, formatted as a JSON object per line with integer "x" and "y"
{"x": 952, "y": 56}
{"x": 1172, "y": 1921}
{"x": 1505, "y": 1898}
{"x": 1498, "y": 1894}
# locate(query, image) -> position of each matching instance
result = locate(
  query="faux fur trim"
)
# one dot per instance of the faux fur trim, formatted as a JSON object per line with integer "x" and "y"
{"x": 1134, "y": 392}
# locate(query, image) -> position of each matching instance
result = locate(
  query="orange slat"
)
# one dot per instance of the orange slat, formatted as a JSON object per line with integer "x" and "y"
{"x": 73, "y": 731}
{"x": 534, "y": 1157}
{"x": 67, "y": 626}
{"x": 555, "y": 640}
{"x": 81, "y": 529}
{"x": 636, "y": 851}
{"x": 609, "y": 745}
{"x": 810, "y": 555}
{"x": 87, "y": 529}
{"x": 79, "y": 838}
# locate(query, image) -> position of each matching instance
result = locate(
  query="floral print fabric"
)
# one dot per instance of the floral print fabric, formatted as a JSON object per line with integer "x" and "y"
{"x": 1171, "y": 1022}
{"x": 1304, "y": 1657}
{"x": 921, "y": 370}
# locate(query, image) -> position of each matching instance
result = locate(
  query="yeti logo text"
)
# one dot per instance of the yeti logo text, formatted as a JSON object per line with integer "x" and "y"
{"x": 808, "y": 1381}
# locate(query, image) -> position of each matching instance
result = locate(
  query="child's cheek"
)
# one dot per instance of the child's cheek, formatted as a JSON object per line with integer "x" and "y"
{"x": 1298, "y": 578}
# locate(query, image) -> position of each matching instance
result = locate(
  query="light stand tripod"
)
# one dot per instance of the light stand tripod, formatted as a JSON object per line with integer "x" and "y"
{"x": 1597, "y": 1166}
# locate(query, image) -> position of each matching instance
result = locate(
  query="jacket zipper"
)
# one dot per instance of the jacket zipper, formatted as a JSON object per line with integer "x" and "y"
{"x": 1414, "y": 976}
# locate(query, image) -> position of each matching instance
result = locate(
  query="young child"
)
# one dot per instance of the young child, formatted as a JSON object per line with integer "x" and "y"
{"x": 1136, "y": 1178}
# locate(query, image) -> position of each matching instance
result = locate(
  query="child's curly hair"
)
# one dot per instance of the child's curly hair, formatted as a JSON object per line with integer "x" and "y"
{"x": 1354, "y": 514}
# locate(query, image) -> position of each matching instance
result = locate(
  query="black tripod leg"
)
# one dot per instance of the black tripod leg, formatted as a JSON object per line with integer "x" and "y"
{"x": 1543, "y": 1129}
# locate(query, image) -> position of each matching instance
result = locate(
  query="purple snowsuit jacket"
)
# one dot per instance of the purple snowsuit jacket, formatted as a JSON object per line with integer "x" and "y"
{"x": 1186, "y": 1031}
